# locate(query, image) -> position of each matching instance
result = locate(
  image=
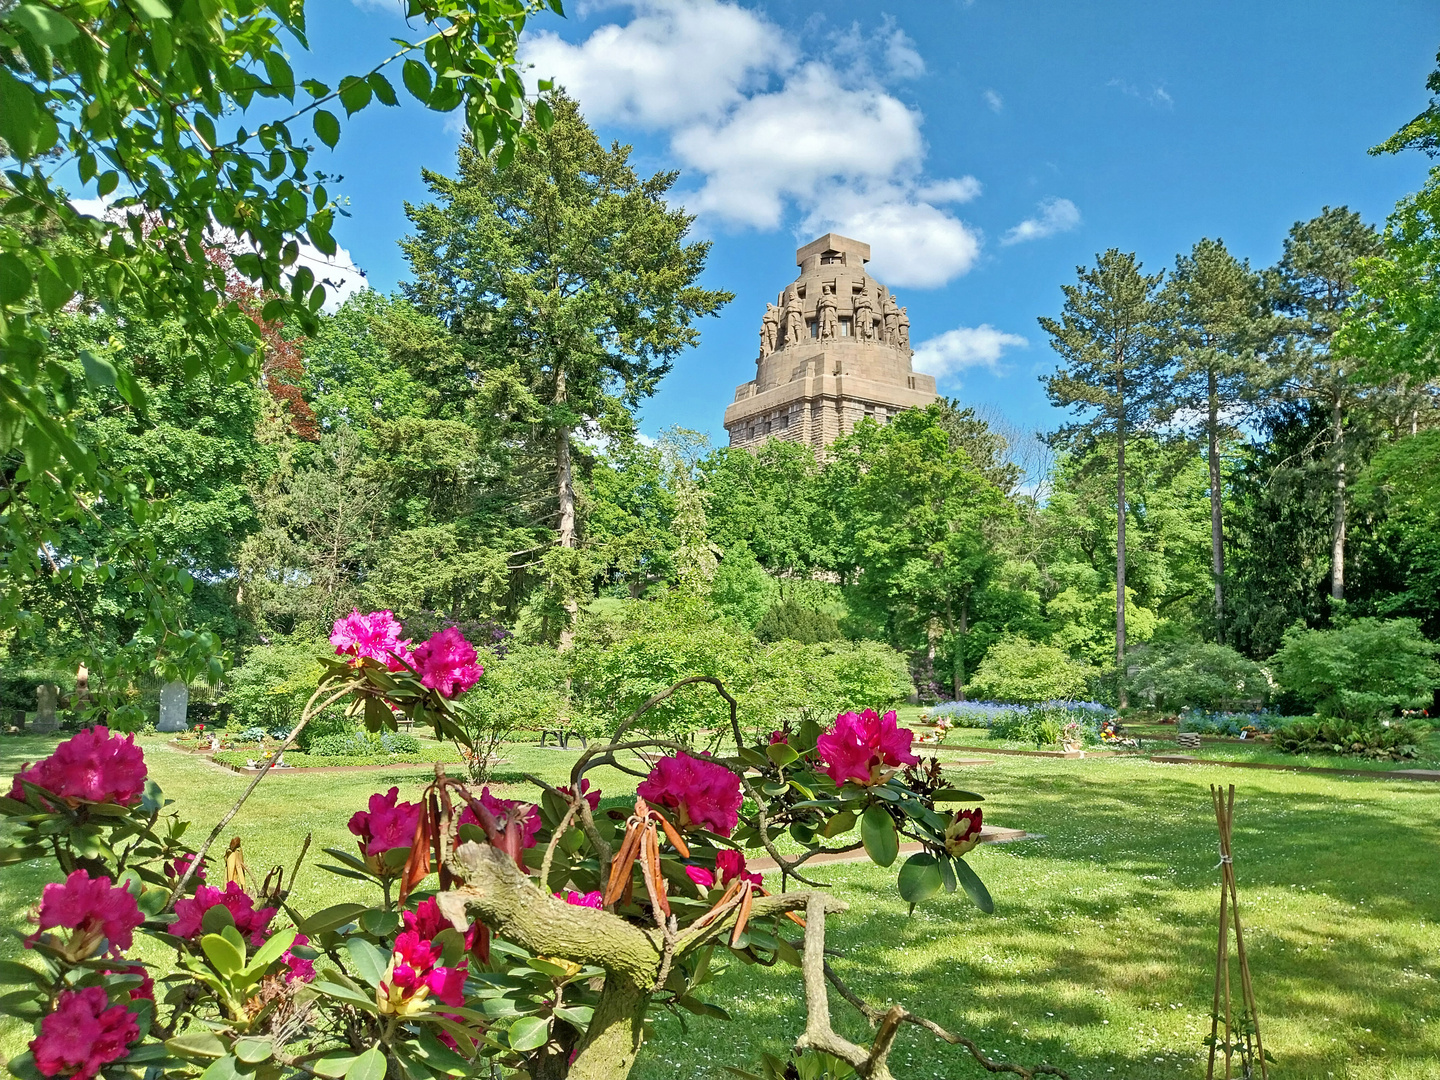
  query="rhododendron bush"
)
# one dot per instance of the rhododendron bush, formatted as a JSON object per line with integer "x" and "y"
{"x": 494, "y": 936}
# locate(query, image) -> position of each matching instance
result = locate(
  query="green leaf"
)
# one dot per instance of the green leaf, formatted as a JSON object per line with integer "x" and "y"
{"x": 13, "y": 974}
{"x": 416, "y": 77}
{"x": 216, "y": 919}
{"x": 269, "y": 953}
{"x": 947, "y": 873}
{"x": 354, "y": 94}
{"x": 228, "y": 960}
{"x": 956, "y": 795}
{"x": 332, "y": 918}
{"x": 877, "y": 832}
{"x": 327, "y": 127}
{"x": 781, "y": 754}
{"x": 528, "y": 1033}
{"x": 974, "y": 887}
{"x": 225, "y": 1068}
{"x": 98, "y": 370}
{"x": 334, "y": 1064}
{"x": 252, "y": 1051}
{"x": 920, "y": 878}
{"x": 14, "y": 278}
{"x": 196, "y": 1043}
{"x": 45, "y": 26}
{"x": 383, "y": 90}
{"x": 370, "y": 963}
{"x": 152, "y": 9}
{"x": 577, "y": 1016}
{"x": 368, "y": 1066}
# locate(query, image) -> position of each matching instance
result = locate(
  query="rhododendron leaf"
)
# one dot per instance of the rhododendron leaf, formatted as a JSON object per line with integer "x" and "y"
{"x": 342, "y": 872}
{"x": 268, "y": 953}
{"x": 956, "y": 795}
{"x": 254, "y": 1050}
{"x": 974, "y": 887}
{"x": 802, "y": 831}
{"x": 702, "y": 1008}
{"x": 333, "y": 1065}
{"x": 577, "y": 1016}
{"x": 225, "y": 1068}
{"x": 13, "y": 974}
{"x": 920, "y": 878}
{"x": 546, "y": 967}
{"x": 380, "y": 923}
{"x": 787, "y": 952}
{"x": 947, "y": 874}
{"x": 369, "y": 962}
{"x": 877, "y": 832}
{"x": 808, "y": 735}
{"x": 23, "y": 1067}
{"x": 751, "y": 756}
{"x": 528, "y": 1033}
{"x": 216, "y": 918}
{"x": 842, "y": 822}
{"x": 334, "y": 984}
{"x": 332, "y": 918}
{"x": 368, "y": 1066}
{"x": 228, "y": 960}
{"x": 22, "y": 1005}
{"x": 781, "y": 754}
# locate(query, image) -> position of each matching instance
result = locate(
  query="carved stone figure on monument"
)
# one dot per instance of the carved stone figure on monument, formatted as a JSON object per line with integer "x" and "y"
{"x": 769, "y": 330}
{"x": 794, "y": 321}
{"x": 825, "y": 313}
{"x": 891, "y": 314}
{"x": 864, "y": 317}
{"x": 902, "y": 330}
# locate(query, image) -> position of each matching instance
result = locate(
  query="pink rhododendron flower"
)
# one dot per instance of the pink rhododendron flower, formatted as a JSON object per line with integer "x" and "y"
{"x": 590, "y": 899}
{"x": 190, "y": 913}
{"x": 865, "y": 747}
{"x": 525, "y": 815}
{"x": 704, "y": 794}
{"x": 146, "y": 989}
{"x": 175, "y": 870}
{"x": 83, "y": 1034}
{"x": 376, "y": 636}
{"x": 778, "y": 737}
{"x": 300, "y": 969}
{"x": 592, "y": 797}
{"x": 94, "y": 766}
{"x": 93, "y": 910}
{"x": 700, "y": 876}
{"x": 388, "y": 823}
{"x": 963, "y": 832}
{"x": 427, "y": 922}
{"x": 447, "y": 663}
{"x": 731, "y": 865}
{"x": 415, "y": 975}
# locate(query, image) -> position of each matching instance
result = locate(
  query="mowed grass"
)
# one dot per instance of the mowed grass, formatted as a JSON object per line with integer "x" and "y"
{"x": 1100, "y": 956}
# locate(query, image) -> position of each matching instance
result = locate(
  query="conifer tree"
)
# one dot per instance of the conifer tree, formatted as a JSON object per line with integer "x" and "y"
{"x": 1109, "y": 340}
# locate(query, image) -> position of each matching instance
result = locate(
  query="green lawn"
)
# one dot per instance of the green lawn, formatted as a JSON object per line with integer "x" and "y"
{"x": 1100, "y": 955}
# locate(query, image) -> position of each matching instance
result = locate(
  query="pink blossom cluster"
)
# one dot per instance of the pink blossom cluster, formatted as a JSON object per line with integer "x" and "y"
{"x": 865, "y": 747}
{"x": 387, "y": 824}
{"x": 447, "y": 663}
{"x": 590, "y": 899}
{"x": 591, "y": 797}
{"x": 177, "y": 867}
{"x": 525, "y": 815}
{"x": 298, "y": 968}
{"x": 83, "y": 1034}
{"x": 416, "y": 974}
{"x": 375, "y": 636}
{"x": 730, "y": 864}
{"x": 146, "y": 989}
{"x": 427, "y": 922}
{"x": 93, "y": 766}
{"x": 704, "y": 795}
{"x": 94, "y": 910}
{"x": 252, "y": 924}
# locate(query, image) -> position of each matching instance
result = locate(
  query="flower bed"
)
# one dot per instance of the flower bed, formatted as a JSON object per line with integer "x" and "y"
{"x": 240, "y": 759}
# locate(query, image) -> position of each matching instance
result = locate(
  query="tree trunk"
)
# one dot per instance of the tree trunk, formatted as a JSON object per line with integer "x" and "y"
{"x": 565, "y": 487}
{"x": 615, "y": 1033}
{"x": 957, "y": 683}
{"x": 1120, "y": 563}
{"x": 1337, "y": 532}
{"x": 960, "y": 649}
{"x": 1217, "y": 532}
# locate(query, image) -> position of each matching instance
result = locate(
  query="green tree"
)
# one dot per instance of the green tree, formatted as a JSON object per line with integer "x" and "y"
{"x": 194, "y": 129}
{"x": 1313, "y": 285}
{"x": 567, "y": 274}
{"x": 1361, "y": 670}
{"x": 1217, "y": 322}
{"x": 771, "y": 499}
{"x": 916, "y": 519}
{"x": 1024, "y": 672}
{"x": 1108, "y": 337}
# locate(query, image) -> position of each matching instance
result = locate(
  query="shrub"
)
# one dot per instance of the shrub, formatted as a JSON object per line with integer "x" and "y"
{"x": 1023, "y": 671}
{"x": 1385, "y": 740}
{"x": 787, "y": 682}
{"x": 524, "y": 690}
{"x": 272, "y": 685}
{"x": 1364, "y": 669}
{"x": 399, "y": 742}
{"x": 346, "y": 745}
{"x": 1207, "y": 722}
{"x": 742, "y": 589}
{"x": 253, "y": 734}
{"x": 797, "y": 622}
{"x": 1198, "y": 674}
{"x": 330, "y": 724}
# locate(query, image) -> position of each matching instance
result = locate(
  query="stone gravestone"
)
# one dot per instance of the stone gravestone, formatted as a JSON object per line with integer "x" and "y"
{"x": 174, "y": 701}
{"x": 47, "y": 697}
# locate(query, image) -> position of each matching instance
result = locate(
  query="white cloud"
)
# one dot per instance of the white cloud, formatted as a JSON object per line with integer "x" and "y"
{"x": 1156, "y": 96}
{"x": 994, "y": 100}
{"x": 671, "y": 64}
{"x": 768, "y": 138}
{"x": 1055, "y": 216}
{"x": 965, "y": 347}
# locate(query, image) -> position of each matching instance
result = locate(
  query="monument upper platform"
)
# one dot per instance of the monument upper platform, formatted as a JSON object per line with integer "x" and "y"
{"x": 834, "y": 348}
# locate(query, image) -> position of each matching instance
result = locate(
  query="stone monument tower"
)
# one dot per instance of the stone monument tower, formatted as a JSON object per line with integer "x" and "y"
{"x": 834, "y": 348}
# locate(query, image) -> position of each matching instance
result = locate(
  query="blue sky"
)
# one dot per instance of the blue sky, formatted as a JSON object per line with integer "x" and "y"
{"x": 984, "y": 149}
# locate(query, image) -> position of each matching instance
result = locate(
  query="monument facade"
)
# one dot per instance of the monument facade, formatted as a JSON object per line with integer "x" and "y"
{"x": 834, "y": 349}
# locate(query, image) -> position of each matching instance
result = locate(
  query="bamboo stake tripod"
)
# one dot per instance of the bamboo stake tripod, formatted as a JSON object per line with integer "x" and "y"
{"x": 1242, "y": 1036}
